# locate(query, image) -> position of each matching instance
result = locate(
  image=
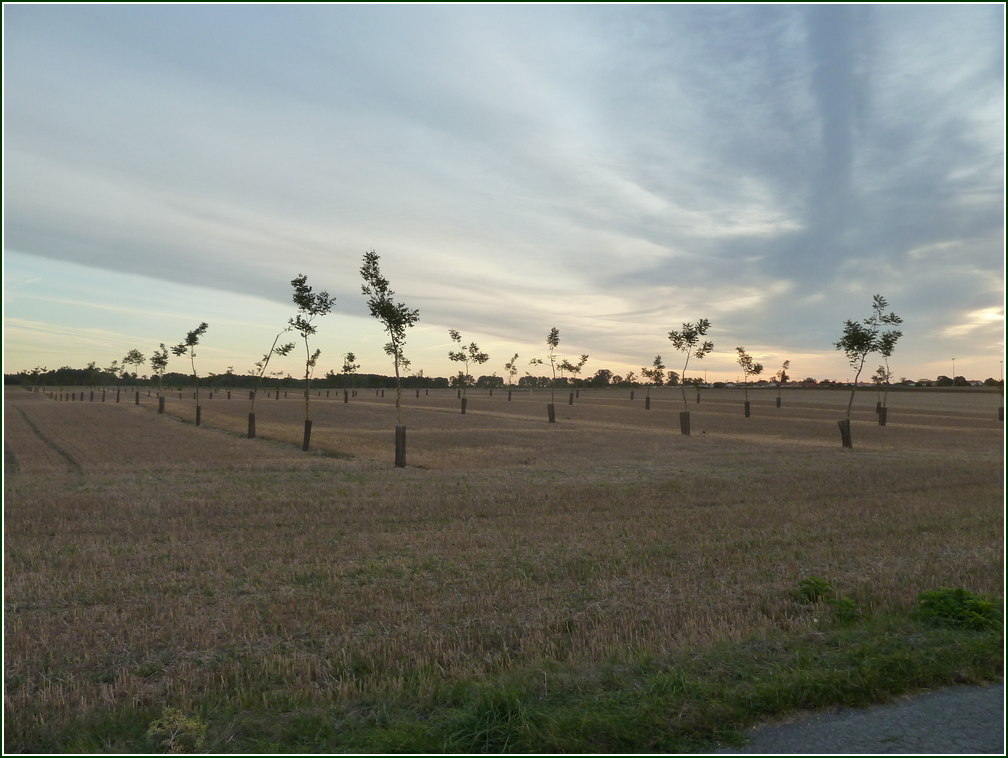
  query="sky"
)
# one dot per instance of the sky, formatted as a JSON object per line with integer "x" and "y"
{"x": 609, "y": 170}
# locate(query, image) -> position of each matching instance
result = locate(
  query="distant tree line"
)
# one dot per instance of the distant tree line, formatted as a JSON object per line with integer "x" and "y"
{"x": 92, "y": 376}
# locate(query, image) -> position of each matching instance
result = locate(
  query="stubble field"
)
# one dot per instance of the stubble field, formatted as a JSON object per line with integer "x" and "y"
{"x": 150, "y": 562}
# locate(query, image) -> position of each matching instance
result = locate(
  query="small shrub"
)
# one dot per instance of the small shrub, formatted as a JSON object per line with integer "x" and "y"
{"x": 174, "y": 732}
{"x": 844, "y": 609}
{"x": 812, "y": 589}
{"x": 959, "y": 608}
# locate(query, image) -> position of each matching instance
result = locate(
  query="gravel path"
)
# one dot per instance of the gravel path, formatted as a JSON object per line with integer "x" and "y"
{"x": 958, "y": 720}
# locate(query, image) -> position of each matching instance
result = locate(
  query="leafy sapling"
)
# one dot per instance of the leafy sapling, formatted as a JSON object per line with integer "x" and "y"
{"x": 655, "y": 375}
{"x": 396, "y": 318}
{"x": 859, "y": 340}
{"x": 188, "y": 346}
{"x": 749, "y": 368}
{"x": 887, "y": 344}
{"x": 512, "y": 368}
{"x": 260, "y": 371}
{"x": 781, "y": 377}
{"x": 465, "y": 355}
{"x": 687, "y": 340}
{"x": 159, "y": 363}
{"x": 263, "y": 363}
{"x": 133, "y": 358}
{"x": 573, "y": 368}
{"x": 310, "y": 305}
{"x": 350, "y": 367}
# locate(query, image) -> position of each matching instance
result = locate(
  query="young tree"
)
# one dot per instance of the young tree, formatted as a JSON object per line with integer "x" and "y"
{"x": 887, "y": 344}
{"x": 465, "y": 356}
{"x": 859, "y": 340}
{"x": 573, "y": 368}
{"x": 782, "y": 377}
{"x": 656, "y": 375}
{"x": 687, "y": 340}
{"x": 749, "y": 368}
{"x": 878, "y": 379}
{"x": 133, "y": 358}
{"x": 396, "y": 318}
{"x": 260, "y": 370}
{"x": 512, "y": 368}
{"x": 350, "y": 367}
{"x": 310, "y": 306}
{"x": 552, "y": 342}
{"x": 159, "y": 363}
{"x": 189, "y": 346}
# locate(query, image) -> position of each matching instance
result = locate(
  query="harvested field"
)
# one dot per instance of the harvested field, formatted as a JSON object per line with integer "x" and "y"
{"x": 150, "y": 561}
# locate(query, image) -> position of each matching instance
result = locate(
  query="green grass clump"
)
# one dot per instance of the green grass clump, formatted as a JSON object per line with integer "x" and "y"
{"x": 958, "y": 608}
{"x": 681, "y": 703}
{"x": 174, "y": 732}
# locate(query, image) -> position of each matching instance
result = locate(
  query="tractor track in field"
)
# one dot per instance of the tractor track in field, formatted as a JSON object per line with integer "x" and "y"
{"x": 72, "y": 462}
{"x": 10, "y": 461}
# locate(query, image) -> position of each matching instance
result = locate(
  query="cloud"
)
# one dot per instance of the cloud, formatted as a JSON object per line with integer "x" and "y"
{"x": 985, "y": 318}
{"x": 614, "y": 169}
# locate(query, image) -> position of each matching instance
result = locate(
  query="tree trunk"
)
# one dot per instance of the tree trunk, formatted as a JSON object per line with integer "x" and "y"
{"x": 160, "y": 405}
{"x": 136, "y": 399}
{"x": 509, "y": 396}
{"x": 631, "y": 394}
{"x": 845, "y": 432}
{"x": 465, "y": 401}
{"x": 251, "y": 426}
{"x": 883, "y": 411}
{"x": 551, "y": 411}
{"x": 878, "y": 407}
{"x": 400, "y": 446}
{"x": 698, "y": 398}
{"x": 747, "y": 409}
{"x": 117, "y": 396}
{"x": 346, "y": 396}
{"x": 571, "y": 401}
{"x": 778, "y": 401}
{"x": 684, "y": 425}
{"x": 647, "y": 403}
{"x": 307, "y": 435}
{"x": 198, "y": 410}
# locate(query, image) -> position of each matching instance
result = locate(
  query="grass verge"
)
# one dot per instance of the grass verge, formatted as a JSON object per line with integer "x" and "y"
{"x": 682, "y": 704}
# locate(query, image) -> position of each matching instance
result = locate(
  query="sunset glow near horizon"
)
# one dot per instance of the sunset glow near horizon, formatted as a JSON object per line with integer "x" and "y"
{"x": 609, "y": 170}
